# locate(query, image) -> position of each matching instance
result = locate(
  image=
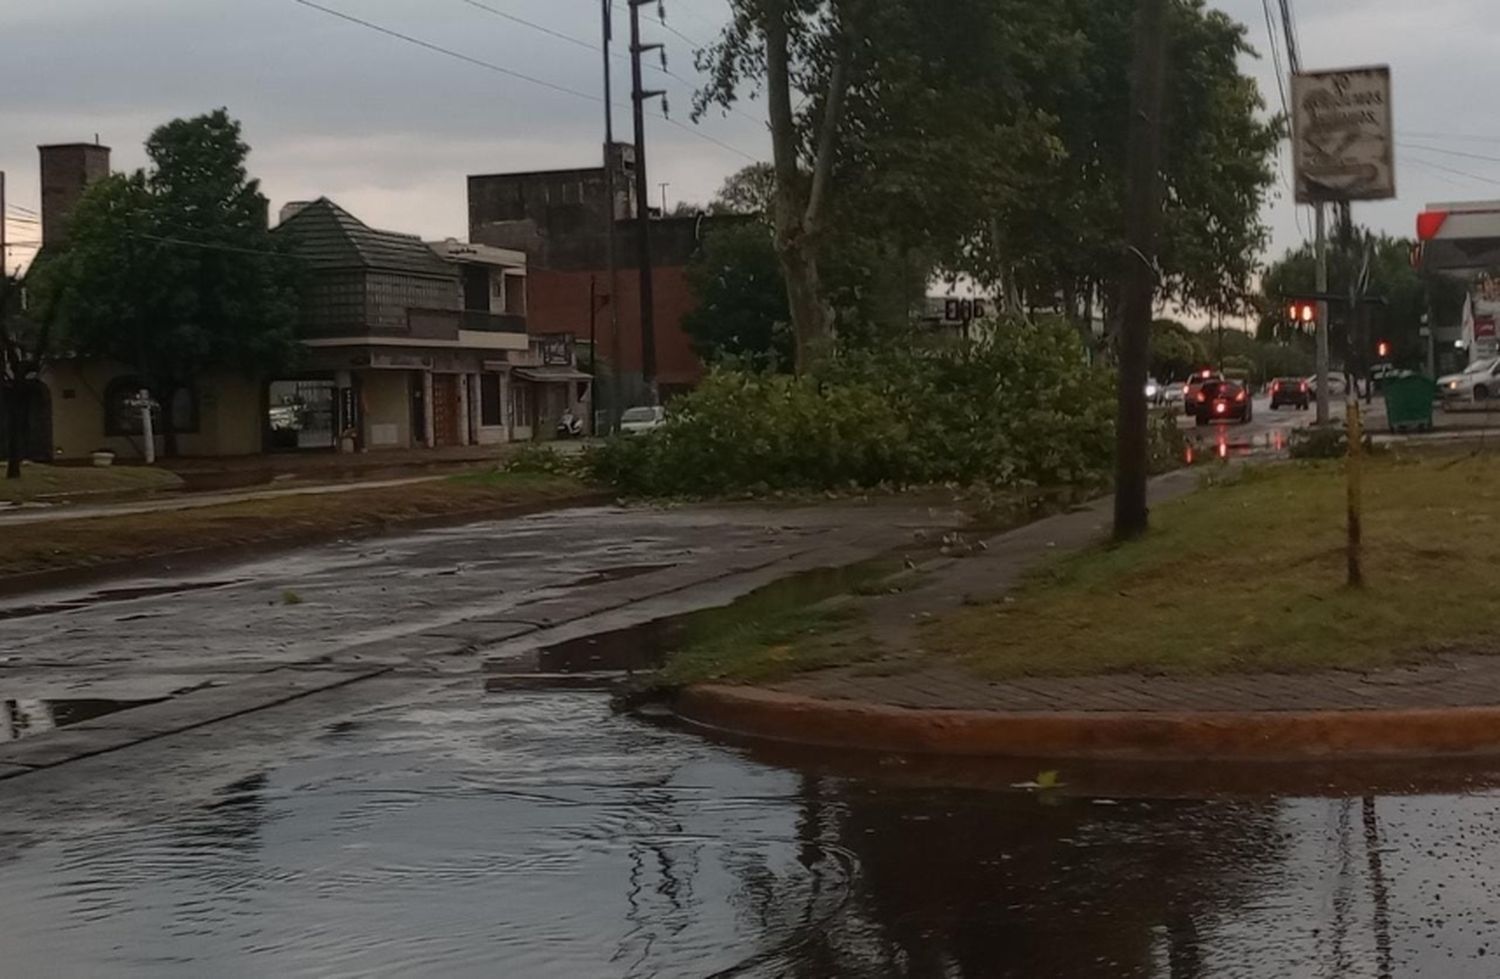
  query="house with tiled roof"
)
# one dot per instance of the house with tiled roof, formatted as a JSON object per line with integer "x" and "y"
{"x": 406, "y": 344}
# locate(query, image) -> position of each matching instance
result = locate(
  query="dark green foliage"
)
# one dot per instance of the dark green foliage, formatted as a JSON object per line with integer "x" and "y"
{"x": 741, "y": 316}
{"x": 172, "y": 270}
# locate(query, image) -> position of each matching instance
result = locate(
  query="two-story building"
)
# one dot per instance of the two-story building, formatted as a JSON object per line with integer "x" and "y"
{"x": 405, "y": 344}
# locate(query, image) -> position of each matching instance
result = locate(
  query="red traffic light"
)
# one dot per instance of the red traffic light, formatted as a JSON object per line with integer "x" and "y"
{"x": 1383, "y": 348}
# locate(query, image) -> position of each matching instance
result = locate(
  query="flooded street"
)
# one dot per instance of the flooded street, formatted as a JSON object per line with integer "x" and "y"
{"x": 537, "y": 833}
{"x": 468, "y": 802}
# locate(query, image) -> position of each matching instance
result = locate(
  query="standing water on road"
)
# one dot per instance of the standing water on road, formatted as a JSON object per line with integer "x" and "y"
{"x": 538, "y": 833}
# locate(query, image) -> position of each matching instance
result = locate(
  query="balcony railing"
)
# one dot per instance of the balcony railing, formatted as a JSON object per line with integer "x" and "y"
{"x": 486, "y": 322}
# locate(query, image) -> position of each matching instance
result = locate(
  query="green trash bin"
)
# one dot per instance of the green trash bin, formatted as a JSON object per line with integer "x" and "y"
{"x": 1408, "y": 401}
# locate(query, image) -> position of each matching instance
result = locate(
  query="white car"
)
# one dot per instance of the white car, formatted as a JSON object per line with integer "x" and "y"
{"x": 1480, "y": 381}
{"x": 635, "y": 421}
{"x": 1338, "y": 386}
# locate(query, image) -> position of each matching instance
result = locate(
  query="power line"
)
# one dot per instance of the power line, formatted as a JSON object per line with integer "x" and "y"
{"x": 1448, "y": 169}
{"x": 477, "y": 62}
{"x": 480, "y": 63}
{"x": 593, "y": 48}
{"x": 1438, "y": 149}
{"x": 1461, "y": 136}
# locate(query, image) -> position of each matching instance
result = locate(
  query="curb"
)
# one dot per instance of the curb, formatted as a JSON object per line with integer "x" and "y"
{"x": 1093, "y": 735}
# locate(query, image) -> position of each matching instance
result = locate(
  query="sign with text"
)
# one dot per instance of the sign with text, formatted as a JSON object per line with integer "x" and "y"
{"x": 1342, "y": 135}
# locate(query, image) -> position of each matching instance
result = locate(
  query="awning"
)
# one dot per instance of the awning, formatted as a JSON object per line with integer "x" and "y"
{"x": 550, "y": 375}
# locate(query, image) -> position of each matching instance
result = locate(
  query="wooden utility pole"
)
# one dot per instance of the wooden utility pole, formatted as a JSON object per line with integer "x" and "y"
{"x": 616, "y": 392}
{"x": 639, "y": 95}
{"x": 1143, "y": 217}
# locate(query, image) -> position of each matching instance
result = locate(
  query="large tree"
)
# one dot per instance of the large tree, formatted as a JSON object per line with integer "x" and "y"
{"x": 987, "y": 138}
{"x": 890, "y": 124}
{"x": 172, "y": 270}
{"x": 1064, "y": 238}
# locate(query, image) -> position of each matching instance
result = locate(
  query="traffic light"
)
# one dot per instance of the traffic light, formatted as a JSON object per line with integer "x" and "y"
{"x": 1383, "y": 349}
{"x": 1303, "y": 312}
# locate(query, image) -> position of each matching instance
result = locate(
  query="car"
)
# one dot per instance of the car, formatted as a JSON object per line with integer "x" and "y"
{"x": 1221, "y": 401}
{"x": 1338, "y": 386}
{"x": 1480, "y": 381}
{"x": 1190, "y": 390}
{"x": 1291, "y": 391}
{"x": 637, "y": 421}
{"x": 1156, "y": 393}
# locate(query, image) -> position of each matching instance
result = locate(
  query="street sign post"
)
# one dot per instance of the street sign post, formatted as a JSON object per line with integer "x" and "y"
{"x": 1343, "y": 139}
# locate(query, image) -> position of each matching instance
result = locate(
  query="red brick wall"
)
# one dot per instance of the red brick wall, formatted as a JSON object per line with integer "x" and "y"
{"x": 558, "y": 302}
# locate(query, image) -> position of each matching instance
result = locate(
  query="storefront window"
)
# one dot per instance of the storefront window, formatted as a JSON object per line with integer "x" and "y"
{"x": 300, "y": 414}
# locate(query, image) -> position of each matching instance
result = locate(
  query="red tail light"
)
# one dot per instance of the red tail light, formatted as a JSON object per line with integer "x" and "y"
{"x": 1303, "y": 387}
{"x": 1240, "y": 396}
{"x": 1202, "y": 396}
{"x": 1275, "y": 386}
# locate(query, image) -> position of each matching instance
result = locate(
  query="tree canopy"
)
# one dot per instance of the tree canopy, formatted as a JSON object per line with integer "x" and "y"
{"x": 986, "y": 138}
{"x": 1385, "y": 264}
{"x": 171, "y": 270}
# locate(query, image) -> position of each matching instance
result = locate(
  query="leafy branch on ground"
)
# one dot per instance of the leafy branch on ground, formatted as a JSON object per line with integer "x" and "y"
{"x": 1019, "y": 407}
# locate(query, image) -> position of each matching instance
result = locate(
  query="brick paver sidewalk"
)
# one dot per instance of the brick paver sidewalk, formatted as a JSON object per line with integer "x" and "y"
{"x": 1448, "y": 680}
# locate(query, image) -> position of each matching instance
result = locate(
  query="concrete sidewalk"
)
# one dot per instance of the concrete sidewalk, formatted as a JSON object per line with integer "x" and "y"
{"x": 911, "y": 702}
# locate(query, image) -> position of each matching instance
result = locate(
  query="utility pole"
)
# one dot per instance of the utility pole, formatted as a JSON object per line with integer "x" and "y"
{"x": 664, "y": 185}
{"x": 1143, "y": 216}
{"x": 615, "y": 390}
{"x": 1320, "y": 283}
{"x": 639, "y": 95}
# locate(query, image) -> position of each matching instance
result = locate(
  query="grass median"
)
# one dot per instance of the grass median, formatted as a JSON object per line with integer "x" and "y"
{"x": 1249, "y": 576}
{"x": 40, "y": 482}
{"x": 68, "y": 544}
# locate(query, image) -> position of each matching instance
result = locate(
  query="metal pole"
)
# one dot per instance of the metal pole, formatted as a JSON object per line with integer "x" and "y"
{"x": 643, "y": 208}
{"x": 1320, "y": 253}
{"x": 616, "y": 393}
{"x": 593, "y": 355}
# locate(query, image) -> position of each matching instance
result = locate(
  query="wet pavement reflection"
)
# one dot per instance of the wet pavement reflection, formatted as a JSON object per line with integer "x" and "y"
{"x": 539, "y": 833}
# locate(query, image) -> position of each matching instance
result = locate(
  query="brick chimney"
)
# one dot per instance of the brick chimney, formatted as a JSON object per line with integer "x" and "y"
{"x": 67, "y": 170}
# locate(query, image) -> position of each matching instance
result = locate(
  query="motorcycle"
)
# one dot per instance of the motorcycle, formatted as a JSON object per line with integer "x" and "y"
{"x": 569, "y": 426}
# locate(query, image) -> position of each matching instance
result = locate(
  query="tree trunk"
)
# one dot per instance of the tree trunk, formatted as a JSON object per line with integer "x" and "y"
{"x": 1143, "y": 214}
{"x": 799, "y": 264}
{"x": 798, "y": 217}
{"x": 15, "y": 424}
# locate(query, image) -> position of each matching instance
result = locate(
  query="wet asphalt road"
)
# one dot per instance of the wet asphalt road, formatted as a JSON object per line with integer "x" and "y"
{"x": 1266, "y": 433}
{"x": 426, "y": 823}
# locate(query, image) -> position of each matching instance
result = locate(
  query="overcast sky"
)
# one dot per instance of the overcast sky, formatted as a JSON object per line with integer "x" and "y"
{"x": 389, "y": 130}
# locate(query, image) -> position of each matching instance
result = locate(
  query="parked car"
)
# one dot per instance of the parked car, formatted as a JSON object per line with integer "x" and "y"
{"x": 1192, "y": 387}
{"x": 643, "y": 419}
{"x": 1222, "y": 401}
{"x": 1480, "y": 381}
{"x": 1290, "y": 391}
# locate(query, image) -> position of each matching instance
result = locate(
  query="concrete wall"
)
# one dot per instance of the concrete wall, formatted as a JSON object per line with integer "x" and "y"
{"x": 229, "y": 414}
{"x": 387, "y": 406}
